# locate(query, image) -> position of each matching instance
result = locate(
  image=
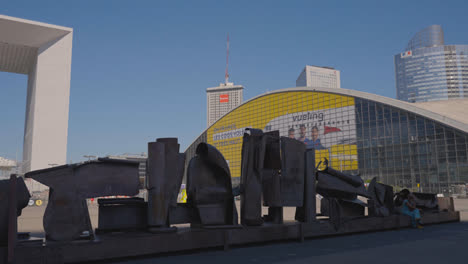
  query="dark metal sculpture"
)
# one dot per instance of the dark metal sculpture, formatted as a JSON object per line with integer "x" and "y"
{"x": 338, "y": 209}
{"x": 165, "y": 169}
{"x": 66, "y": 216}
{"x": 252, "y": 162}
{"x": 381, "y": 199}
{"x": 284, "y": 187}
{"x": 333, "y": 183}
{"x": 270, "y": 177}
{"x": 260, "y": 174}
{"x": 278, "y": 168}
{"x": 426, "y": 201}
{"x": 270, "y": 170}
{"x": 307, "y": 213}
{"x": 340, "y": 191}
{"x": 118, "y": 214}
{"x": 275, "y": 167}
{"x": 209, "y": 189}
{"x": 21, "y": 201}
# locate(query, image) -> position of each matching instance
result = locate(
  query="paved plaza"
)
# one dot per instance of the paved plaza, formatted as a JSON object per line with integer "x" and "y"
{"x": 444, "y": 243}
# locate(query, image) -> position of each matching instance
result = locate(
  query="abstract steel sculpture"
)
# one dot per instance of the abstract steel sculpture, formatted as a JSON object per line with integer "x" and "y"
{"x": 122, "y": 214}
{"x": 426, "y": 201}
{"x": 165, "y": 170}
{"x": 284, "y": 187}
{"x": 209, "y": 189}
{"x": 307, "y": 213}
{"x": 381, "y": 199}
{"x": 22, "y": 197}
{"x": 333, "y": 183}
{"x": 66, "y": 216}
{"x": 252, "y": 163}
{"x": 275, "y": 167}
{"x": 340, "y": 191}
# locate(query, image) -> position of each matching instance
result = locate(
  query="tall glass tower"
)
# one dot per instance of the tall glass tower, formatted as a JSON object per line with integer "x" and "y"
{"x": 429, "y": 70}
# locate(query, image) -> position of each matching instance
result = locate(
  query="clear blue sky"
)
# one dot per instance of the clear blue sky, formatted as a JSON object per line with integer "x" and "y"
{"x": 140, "y": 68}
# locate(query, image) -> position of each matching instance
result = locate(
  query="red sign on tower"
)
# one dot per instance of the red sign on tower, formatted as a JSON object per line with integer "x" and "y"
{"x": 224, "y": 98}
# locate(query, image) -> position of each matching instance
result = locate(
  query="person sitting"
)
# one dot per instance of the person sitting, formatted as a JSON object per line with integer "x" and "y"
{"x": 408, "y": 207}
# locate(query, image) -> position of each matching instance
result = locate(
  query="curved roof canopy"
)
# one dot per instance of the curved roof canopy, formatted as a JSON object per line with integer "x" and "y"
{"x": 456, "y": 109}
{"x": 441, "y": 116}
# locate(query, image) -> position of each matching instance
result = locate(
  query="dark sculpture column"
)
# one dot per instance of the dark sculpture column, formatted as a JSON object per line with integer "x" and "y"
{"x": 253, "y": 154}
{"x": 285, "y": 185}
{"x": 14, "y": 196}
{"x": 381, "y": 199}
{"x": 307, "y": 213}
{"x": 164, "y": 176}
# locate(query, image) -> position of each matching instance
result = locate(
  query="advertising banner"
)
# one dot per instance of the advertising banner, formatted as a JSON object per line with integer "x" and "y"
{"x": 224, "y": 98}
{"x": 325, "y": 122}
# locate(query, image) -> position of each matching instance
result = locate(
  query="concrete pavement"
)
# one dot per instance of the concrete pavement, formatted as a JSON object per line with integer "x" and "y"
{"x": 445, "y": 243}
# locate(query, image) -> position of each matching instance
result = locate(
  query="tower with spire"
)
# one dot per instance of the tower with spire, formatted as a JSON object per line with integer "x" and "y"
{"x": 222, "y": 99}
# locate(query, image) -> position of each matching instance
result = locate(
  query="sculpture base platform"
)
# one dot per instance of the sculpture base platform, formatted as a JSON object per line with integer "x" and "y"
{"x": 113, "y": 246}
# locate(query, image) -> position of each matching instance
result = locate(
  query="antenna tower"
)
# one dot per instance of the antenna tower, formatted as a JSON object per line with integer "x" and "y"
{"x": 226, "y": 76}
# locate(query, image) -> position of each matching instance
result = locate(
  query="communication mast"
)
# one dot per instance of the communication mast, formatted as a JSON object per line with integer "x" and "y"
{"x": 226, "y": 76}
{"x": 223, "y": 98}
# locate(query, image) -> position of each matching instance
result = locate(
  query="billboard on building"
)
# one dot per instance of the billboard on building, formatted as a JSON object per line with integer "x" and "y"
{"x": 322, "y": 121}
{"x": 224, "y": 98}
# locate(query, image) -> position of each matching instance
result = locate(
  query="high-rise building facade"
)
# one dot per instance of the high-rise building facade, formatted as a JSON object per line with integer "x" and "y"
{"x": 314, "y": 76}
{"x": 222, "y": 99}
{"x": 429, "y": 70}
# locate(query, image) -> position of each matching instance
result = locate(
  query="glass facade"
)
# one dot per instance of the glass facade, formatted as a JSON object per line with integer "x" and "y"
{"x": 404, "y": 149}
{"x": 428, "y": 37}
{"x": 357, "y": 135}
{"x": 429, "y": 70}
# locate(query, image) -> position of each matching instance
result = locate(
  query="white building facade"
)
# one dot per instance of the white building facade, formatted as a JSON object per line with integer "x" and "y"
{"x": 314, "y": 76}
{"x": 7, "y": 167}
{"x": 43, "y": 52}
{"x": 222, "y": 99}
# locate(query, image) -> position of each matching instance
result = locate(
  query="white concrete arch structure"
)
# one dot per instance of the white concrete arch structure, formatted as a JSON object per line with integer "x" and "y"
{"x": 43, "y": 52}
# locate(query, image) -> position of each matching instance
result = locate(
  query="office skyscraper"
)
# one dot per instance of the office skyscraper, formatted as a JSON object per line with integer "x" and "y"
{"x": 314, "y": 76}
{"x": 222, "y": 99}
{"x": 429, "y": 70}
